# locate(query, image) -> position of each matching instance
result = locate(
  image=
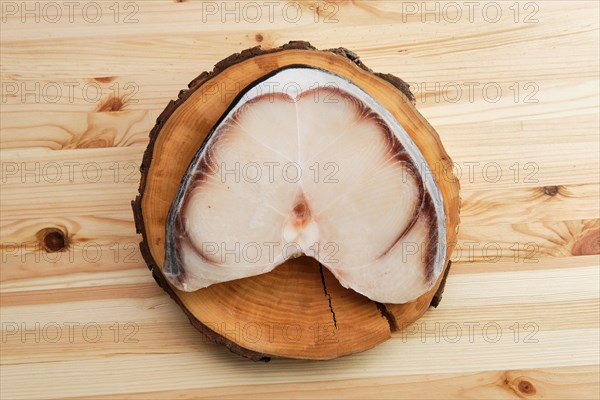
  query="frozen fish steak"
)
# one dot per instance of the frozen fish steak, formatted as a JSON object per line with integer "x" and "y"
{"x": 307, "y": 163}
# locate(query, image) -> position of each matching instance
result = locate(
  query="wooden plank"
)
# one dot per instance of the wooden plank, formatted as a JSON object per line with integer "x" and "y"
{"x": 567, "y": 382}
{"x": 33, "y": 177}
{"x": 114, "y": 247}
{"x": 548, "y": 298}
{"x": 121, "y": 373}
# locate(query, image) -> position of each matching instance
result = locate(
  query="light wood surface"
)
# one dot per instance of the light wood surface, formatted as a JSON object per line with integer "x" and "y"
{"x": 128, "y": 339}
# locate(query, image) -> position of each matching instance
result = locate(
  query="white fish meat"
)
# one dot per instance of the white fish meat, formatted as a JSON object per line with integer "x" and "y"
{"x": 306, "y": 163}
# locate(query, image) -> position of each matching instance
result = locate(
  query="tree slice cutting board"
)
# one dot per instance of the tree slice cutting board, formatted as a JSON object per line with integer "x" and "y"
{"x": 314, "y": 316}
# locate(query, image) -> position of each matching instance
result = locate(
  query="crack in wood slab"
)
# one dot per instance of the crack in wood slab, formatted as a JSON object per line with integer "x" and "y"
{"x": 327, "y": 295}
{"x": 385, "y": 313}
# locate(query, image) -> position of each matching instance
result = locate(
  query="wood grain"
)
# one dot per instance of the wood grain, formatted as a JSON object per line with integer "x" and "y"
{"x": 563, "y": 382}
{"x": 558, "y": 133}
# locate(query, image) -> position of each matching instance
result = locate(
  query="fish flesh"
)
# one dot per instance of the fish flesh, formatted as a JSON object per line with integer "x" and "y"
{"x": 305, "y": 162}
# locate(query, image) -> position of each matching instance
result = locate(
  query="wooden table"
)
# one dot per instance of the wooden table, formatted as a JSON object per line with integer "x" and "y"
{"x": 512, "y": 89}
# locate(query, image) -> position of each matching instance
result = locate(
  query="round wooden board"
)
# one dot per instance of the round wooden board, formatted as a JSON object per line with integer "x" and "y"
{"x": 299, "y": 310}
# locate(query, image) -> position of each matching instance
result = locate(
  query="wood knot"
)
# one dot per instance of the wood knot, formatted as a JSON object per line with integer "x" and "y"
{"x": 104, "y": 79}
{"x": 588, "y": 243}
{"x": 52, "y": 240}
{"x": 551, "y": 190}
{"x": 526, "y": 387}
{"x": 259, "y": 37}
{"x": 111, "y": 104}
